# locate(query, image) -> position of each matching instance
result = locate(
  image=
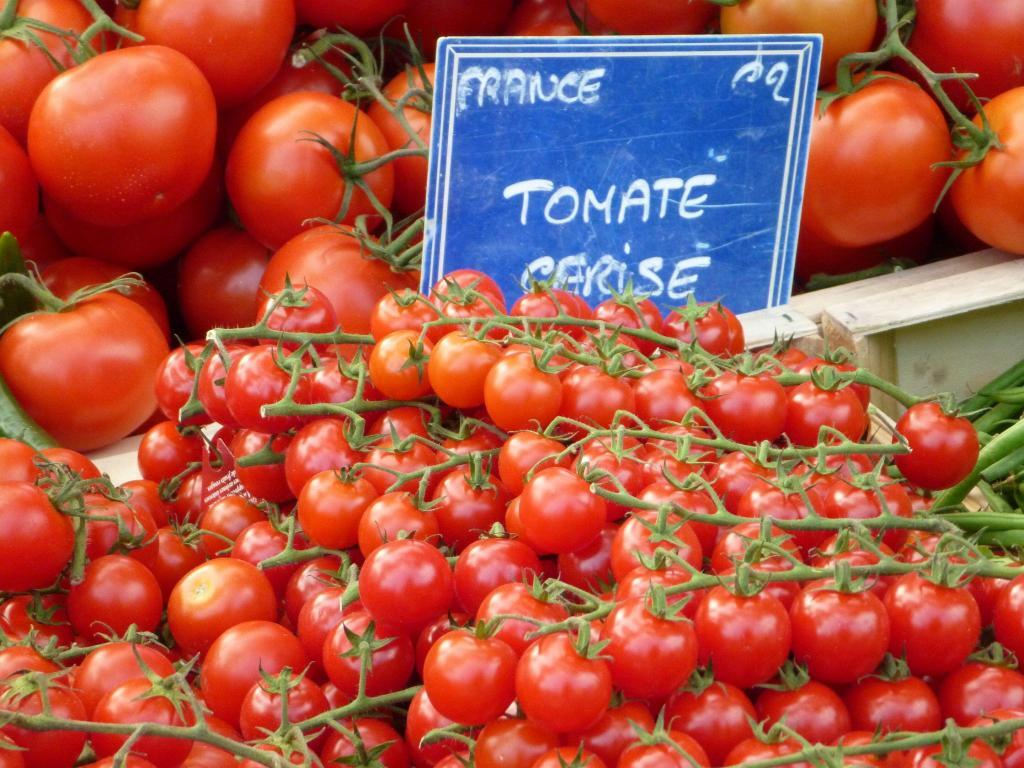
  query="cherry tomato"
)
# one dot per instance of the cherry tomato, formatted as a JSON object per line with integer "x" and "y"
{"x": 471, "y": 680}
{"x": 262, "y": 709}
{"x": 718, "y": 717}
{"x": 115, "y": 593}
{"x": 518, "y": 395}
{"x": 649, "y": 17}
{"x": 906, "y": 704}
{"x": 511, "y": 743}
{"x": 515, "y": 599}
{"x": 812, "y": 710}
{"x": 943, "y": 449}
{"x": 50, "y": 748}
{"x": 975, "y": 689}
{"x": 406, "y": 584}
{"x": 559, "y": 512}
{"x": 390, "y": 516}
{"x": 128, "y": 703}
{"x": 112, "y": 664}
{"x": 36, "y": 541}
{"x": 391, "y": 660}
{"x": 747, "y": 409}
{"x": 812, "y": 408}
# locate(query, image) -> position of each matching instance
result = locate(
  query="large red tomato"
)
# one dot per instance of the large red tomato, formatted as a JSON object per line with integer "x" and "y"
{"x": 653, "y": 17}
{"x": 209, "y": 32}
{"x": 25, "y": 69}
{"x": 86, "y": 374}
{"x": 989, "y": 198}
{"x": 19, "y": 204}
{"x": 882, "y": 143}
{"x": 126, "y": 136}
{"x": 983, "y": 37}
{"x": 280, "y": 175}
{"x": 330, "y": 259}
{"x": 430, "y": 19}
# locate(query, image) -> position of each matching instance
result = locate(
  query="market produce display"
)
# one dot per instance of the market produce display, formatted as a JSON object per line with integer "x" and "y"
{"x": 374, "y": 526}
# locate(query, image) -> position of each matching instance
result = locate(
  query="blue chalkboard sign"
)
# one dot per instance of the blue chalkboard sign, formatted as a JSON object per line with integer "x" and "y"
{"x": 673, "y": 163}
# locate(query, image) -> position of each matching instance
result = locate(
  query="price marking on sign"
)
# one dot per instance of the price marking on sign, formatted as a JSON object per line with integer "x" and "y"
{"x": 672, "y": 164}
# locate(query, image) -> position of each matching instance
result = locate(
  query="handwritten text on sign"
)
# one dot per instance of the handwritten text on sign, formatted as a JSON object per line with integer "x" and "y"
{"x": 672, "y": 164}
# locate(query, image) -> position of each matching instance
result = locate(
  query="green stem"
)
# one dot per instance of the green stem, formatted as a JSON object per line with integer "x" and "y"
{"x": 1012, "y": 377}
{"x": 8, "y": 14}
{"x": 996, "y": 418}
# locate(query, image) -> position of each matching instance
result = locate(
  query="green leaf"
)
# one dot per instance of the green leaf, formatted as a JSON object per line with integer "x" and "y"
{"x": 14, "y": 300}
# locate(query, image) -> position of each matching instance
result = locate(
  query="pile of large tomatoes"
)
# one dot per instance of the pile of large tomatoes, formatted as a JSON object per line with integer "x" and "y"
{"x": 532, "y": 536}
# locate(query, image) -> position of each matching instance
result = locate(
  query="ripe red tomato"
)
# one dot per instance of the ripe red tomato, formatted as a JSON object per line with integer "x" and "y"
{"x": 218, "y": 280}
{"x": 26, "y": 68}
{"x": 957, "y": 36}
{"x": 976, "y": 689}
{"x": 636, "y": 538}
{"x": 811, "y": 408}
{"x": 747, "y": 409}
{"x": 718, "y": 717}
{"x": 239, "y": 658}
{"x": 410, "y": 172}
{"x": 486, "y": 564}
{"x": 391, "y": 515}
{"x": 50, "y": 748}
{"x": 906, "y": 704}
{"x": 224, "y": 520}
{"x": 683, "y": 752}
{"x": 470, "y": 679}
{"x": 559, "y": 512}
{"x": 651, "y": 17}
{"x": 331, "y": 260}
{"x": 935, "y": 627}
{"x": 730, "y": 627}
{"x": 371, "y": 734}
{"x": 466, "y": 508}
{"x": 515, "y": 599}
{"x": 558, "y": 688}
{"x": 36, "y": 541}
{"x": 361, "y": 17}
{"x": 978, "y": 754}
{"x": 397, "y": 368}
{"x": 330, "y": 508}
{"x": 260, "y": 376}
{"x": 458, "y": 369}
{"x": 663, "y": 396}
{"x": 556, "y": 758}
{"x": 406, "y": 584}
{"x": 889, "y": 184}
{"x": 115, "y": 593}
{"x": 313, "y": 577}
{"x": 19, "y": 207}
{"x": 214, "y": 597}
{"x": 148, "y": 159}
{"x": 812, "y": 710}
{"x": 1008, "y": 620}
{"x": 848, "y": 26}
{"x": 522, "y": 452}
{"x": 391, "y": 663}
{"x": 128, "y": 703}
{"x": 279, "y": 177}
{"x": 319, "y": 446}
{"x": 511, "y": 743}
{"x": 263, "y": 540}
{"x": 518, "y": 395}
{"x": 262, "y": 481}
{"x": 261, "y": 709}
{"x": 430, "y": 19}
{"x": 117, "y": 350}
{"x": 594, "y": 397}
{"x": 112, "y": 664}
{"x": 236, "y": 68}
{"x": 943, "y": 448}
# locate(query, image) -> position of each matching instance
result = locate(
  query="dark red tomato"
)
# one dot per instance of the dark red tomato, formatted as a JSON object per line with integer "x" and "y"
{"x": 169, "y": 558}
{"x": 408, "y": 92}
{"x": 518, "y": 395}
{"x": 979, "y": 754}
{"x": 516, "y": 599}
{"x": 471, "y": 680}
{"x": 525, "y": 451}
{"x": 210, "y": 389}
{"x": 109, "y": 665}
{"x": 843, "y": 500}
{"x": 839, "y": 636}
{"x": 361, "y": 17}
{"x": 708, "y": 325}
{"x": 312, "y": 577}
{"x": 754, "y": 750}
{"x": 42, "y": 616}
{"x": 307, "y": 182}
{"x": 614, "y": 471}
{"x": 614, "y": 732}
{"x": 747, "y": 409}
{"x": 650, "y": 17}
{"x": 206, "y": 34}
{"x": 734, "y": 473}
{"x": 262, "y": 481}
{"x": 810, "y": 364}
{"x": 40, "y": 245}
{"x": 997, "y": 178}
{"x": 406, "y": 584}
{"x": 262, "y": 541}
{"x": 458, "y": 368}
{"x": 257, "y": 377}
{"x": 330, "y": 508}
{"x": 308, "y": 310}
{"x": 128, "y": 703}
{"x": 664, "y": 396}
{"x": 318, "y": 447}
{"x": 488, "y": 563}
{"x": 719, "y": 718}
{"x": 240, "y": 657}
{"x": 1008, "y": 620}
{"x": 144, "y": 496}
{"x": 648, "y": 531}
{"x": 36, "y": 541}
{"x": 224, "y": 520}
{"x": 635, "y": 314}
{"x": 975, "y": 689}
{"x": 813, "y": 710}
{"x": 422, "y": 718}
{"x": 174, "y": 382}
{"x": 952, "y": 36}
{"x": 943, "y": 449}
{"x": 811, "y": 408}
{"x": 19, "y": 208}
{"x": 151, "y": 159}
{"x": 218, "y": 279}
{"x": 1013, "y": 757}
{"x": 594, "y": 397}
{"x": 317, "y": 619}
{"x": 115, "y": 358}
{"x": 430, "y": 19}
{"x": 556, "y": 758}
{"x": 392, "y": 662}
{"x": 434, "y": 631}
{"x": 851, "y": 141}
{"x": 935, "y": 627}
{"x": 371, "y": 734}
{"x": 331, "y": 260}
{"x": 682, "y": 752}
{"x": 590, "y": 568}
{"x": 466, "y": 509}
{"x": 214, "y": 597}
{"x": 146, "y": 243}
{"x": 50, "y": 748}
{"x": 511, "y": 743}
{"x": 187, "y": 506}
{"x": 650, "y": 656}
{"x": 115, "y": 593}
{"x": 559, "y": 512}
{"x": 558, "y": 688}
{"x": 392, "y": 515}
{"x": 762, "y": 499}
{"x": 262, "y": 709}
{"x": 165, "y": 452}
{"x": 986, "y": 592}
{"x": 639, "y": 581}
{"x": 730, "y": 626}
